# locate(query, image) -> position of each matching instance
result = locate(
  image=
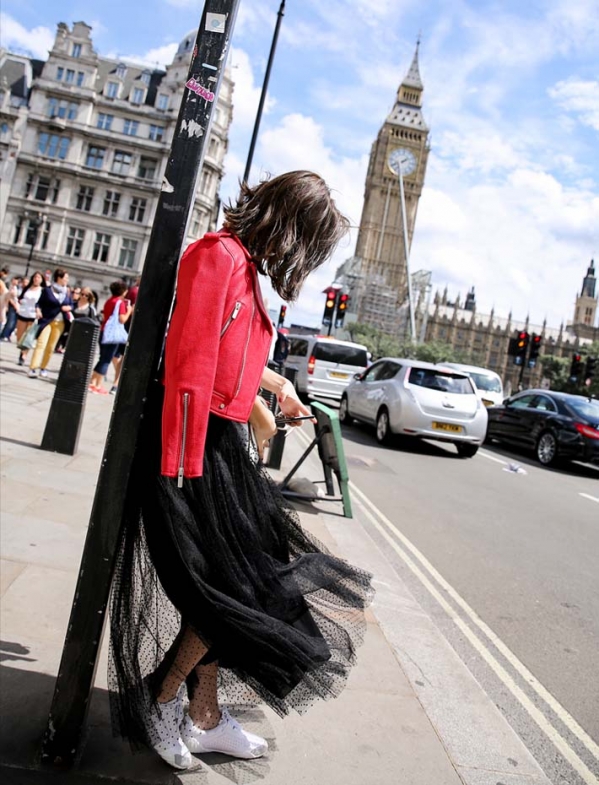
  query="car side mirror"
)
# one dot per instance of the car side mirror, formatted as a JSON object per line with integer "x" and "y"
{"x": 507, "y": 401}
{"x": 358, "y": 376}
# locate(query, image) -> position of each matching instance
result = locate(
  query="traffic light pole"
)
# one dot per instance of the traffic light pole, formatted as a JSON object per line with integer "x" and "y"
{"x": 407, "y": 252}
{"x": 77, "y": 668}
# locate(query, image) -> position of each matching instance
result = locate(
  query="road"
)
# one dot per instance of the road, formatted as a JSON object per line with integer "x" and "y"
{"x": 515, "y": 551}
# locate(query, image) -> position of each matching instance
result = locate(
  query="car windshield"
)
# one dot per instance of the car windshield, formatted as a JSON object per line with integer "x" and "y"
{"x": 587, "y": 409}
{"x": 338, "y": 353}
{"x": 484, "y": 382}
{"x": 440, "y": 380}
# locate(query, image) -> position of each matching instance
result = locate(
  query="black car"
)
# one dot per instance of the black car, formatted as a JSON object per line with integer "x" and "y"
{"x": 555, "y": 425}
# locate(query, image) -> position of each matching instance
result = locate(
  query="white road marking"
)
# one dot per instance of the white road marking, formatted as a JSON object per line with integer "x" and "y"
{"x": 492, "y": 457}
{"x": 588, "y": 496}
{"x": 541, "y": 691}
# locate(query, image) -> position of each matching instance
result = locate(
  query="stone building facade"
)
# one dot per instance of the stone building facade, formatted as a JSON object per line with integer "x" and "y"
{"x": 485, "y": 337}
{"x": 375, "y": 277}
{"x": 84, "y": 142}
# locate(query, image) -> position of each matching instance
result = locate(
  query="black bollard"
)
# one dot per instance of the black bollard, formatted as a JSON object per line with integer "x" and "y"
{"x": 68, "y": 404}
{"x": 277, "y": 443}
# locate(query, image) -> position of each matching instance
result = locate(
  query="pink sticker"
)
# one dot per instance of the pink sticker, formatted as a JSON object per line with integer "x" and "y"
{"x": 197, "y": 88}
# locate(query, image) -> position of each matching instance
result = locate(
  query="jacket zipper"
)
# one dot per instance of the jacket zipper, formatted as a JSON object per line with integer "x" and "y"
{"x": 183, "y": 440}
{"x": 245, "y": 351}
{"x": 231, "y": 318}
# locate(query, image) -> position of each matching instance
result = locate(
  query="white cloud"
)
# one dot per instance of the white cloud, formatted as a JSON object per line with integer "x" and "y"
{"x": 246, "y": 92}
{"x": 579, "y": 97}
{"x": 159, "y": 57}
{"x": 35, "y": 42}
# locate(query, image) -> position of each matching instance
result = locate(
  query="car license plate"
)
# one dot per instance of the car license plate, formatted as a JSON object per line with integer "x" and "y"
{"x": 487, "y": 402}
{"x": 339, "y": 375}
{"x": 446, "y": 426}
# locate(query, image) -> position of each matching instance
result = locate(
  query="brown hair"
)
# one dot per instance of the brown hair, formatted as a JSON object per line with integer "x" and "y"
{"x": 58, "y": 273}
{"x": 117, "y": 288}
{"x": 290, "y": 225}
{"x": 88, "y": 294}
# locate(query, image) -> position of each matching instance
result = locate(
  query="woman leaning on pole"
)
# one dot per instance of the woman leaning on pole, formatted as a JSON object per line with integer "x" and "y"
{"x": 220, "y": 596}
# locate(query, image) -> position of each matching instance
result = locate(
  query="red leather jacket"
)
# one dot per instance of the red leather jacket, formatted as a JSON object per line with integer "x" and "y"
{"x": 216, "y": 348}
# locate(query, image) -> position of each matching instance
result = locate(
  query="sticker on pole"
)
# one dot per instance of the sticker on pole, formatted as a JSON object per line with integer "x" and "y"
{"x": 197, "y": 88}
{"x": 215, "y": 23}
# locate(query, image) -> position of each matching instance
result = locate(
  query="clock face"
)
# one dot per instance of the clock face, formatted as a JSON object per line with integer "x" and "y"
{"x": 402, "y": 158}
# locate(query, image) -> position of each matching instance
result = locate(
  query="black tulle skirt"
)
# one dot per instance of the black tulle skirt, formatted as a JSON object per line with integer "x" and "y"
{"x": 226, "y": 556}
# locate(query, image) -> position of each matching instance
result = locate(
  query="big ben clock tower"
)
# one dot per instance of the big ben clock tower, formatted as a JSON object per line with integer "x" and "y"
{"x": 380, "y": 252}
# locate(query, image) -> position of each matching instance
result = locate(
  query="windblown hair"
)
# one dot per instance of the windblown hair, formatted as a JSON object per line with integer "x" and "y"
{"x": 31, "y": 280}
{"x": 117, "y": 288}
{"x": 290, "y": 225}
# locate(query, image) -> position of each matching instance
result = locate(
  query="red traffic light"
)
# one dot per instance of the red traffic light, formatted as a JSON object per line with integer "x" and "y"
{"x": 343, "y": 300}
{"x": 577, "y": 358}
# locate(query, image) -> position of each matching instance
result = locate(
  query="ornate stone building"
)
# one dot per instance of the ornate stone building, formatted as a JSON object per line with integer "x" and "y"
{"x": 485, "y": 337}
{"x": 376, "y": 276}
{"x": 84, "y": 142}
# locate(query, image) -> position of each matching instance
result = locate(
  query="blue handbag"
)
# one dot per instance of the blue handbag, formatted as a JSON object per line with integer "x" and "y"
{"x": 114, "y": 331}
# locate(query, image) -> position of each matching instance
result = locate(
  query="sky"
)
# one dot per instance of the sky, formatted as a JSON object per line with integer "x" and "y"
{"x": 511, "y": 198}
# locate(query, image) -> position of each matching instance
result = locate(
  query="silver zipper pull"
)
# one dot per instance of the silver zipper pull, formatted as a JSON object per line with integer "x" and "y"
{"x": 180, "y": 478}
{"x": 236, "y": 310}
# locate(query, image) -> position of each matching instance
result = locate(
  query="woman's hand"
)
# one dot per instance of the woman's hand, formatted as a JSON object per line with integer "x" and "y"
{"x": 66, "y": 308}
{"x": 290, "y": 404}
{"x": 262, "y": 421}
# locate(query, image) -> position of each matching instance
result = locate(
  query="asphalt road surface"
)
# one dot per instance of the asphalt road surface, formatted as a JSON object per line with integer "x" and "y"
{"x": 520, "y": 552}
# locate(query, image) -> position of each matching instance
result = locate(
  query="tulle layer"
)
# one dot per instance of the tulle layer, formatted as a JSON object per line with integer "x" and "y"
{"x": 226, "y": 556}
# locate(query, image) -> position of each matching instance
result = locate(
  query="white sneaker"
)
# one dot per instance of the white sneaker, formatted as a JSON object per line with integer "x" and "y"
{"x": 32, "y": 373}
{"x": 227, "y": 737}
{"x": 43, "y": 373}
{"x": 164, "y": 731}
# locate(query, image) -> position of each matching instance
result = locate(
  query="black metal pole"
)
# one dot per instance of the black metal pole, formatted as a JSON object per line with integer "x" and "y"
{"x": 273, "y": 46}
{"x": 75, "y": 678}
{"x": 30, "y": 255}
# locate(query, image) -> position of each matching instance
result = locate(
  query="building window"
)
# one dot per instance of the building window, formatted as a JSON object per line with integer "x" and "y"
{"x": 74, "y": 241}
{"x": 18, "y": 230}
{"x": 76, "y": 50}
{"x": 112, "y": 90}
{"x": 70, "y": 76}
{"x": 128, "y": 253}
{"x": 80, "y": 78}
{"x": 45, "y": 235}
{"x": 105, "y": 121}
{"x": 95, "y": 157}
{"x": 121, "y": 71}
{"x": 62, "y": 109}
{"x": 60, "y": 73}
{"x": 156, "y": 133}
{"x": 121, "y": 162}
{"x": 29, "y": 184}
{"x": 53, "y": 146}
{"x": 213, "y": 147}
{"x": 130, "y": 127}
{"x": 147, "y": 168}
{"x": 137, "y": 96}
{"x": 111, "y": 203}
{"x": 137, "y": 210}
{"x": 162, "y": 102}
{"x": 84, "y": 198}
{"x": 101, "y": 247}
{"x": 145, "y": 77}
{"x": 207, "y": 183}
{"x": 43, "y": 189}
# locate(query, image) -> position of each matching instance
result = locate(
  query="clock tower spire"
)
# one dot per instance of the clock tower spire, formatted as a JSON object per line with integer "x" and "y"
{"x": 380, "y": 251}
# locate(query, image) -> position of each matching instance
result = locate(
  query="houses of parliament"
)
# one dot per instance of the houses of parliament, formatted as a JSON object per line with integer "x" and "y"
{"x": 376, "y": 276}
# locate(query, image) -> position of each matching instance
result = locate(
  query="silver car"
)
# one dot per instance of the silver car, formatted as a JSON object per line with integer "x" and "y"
{"x": 417, "y": 399}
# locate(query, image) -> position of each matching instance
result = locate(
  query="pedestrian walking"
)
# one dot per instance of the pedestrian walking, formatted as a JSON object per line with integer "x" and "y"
{"x": 28, "y": 309}
{"x": 53, "y": 310}
{"x": 75, "y": 293}
{"x": 116, "y": 311}
{"x": 217, "y": 585}
{"x": 10, "y": 307}
{"x": 85, "y": 306}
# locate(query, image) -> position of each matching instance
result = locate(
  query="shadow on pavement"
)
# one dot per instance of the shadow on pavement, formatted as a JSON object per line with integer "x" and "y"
{"x": 359, "y": 433}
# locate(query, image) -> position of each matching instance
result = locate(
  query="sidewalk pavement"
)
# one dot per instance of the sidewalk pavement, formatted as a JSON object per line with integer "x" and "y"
{"x": 376, "y": 733}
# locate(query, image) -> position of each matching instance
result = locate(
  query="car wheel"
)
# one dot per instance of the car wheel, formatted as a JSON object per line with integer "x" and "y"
{"x": 467, "y": 450}
{"x": 546, "y": 449}
{"x": 344, "y": 416}
{"x": 383, "y": 431}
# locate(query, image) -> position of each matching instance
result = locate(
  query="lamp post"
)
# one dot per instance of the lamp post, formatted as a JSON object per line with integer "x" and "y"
{"x": 403, "y": 163}
{"x": 35, "y": 221}
{"x": 273, "y": 47}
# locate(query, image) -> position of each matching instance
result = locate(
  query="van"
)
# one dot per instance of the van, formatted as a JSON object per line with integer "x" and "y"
{"x": 488, "y": 384}
{"x": 325, "y": 366}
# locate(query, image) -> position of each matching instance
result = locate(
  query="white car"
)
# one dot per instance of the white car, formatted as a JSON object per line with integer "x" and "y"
{"x": 325, "y": 366}
{"x": 487, "y": 382}
{"x": 417, "y": 399}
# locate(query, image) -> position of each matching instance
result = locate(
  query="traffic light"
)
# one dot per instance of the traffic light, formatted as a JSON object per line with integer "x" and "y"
{"x": 522, "y": 341}
{"x": 329, "y": 306}
{"x": 282, "y": 313}
{"x": 590, "y": 368}
{"x": 341, "y": 309}
{"x": 576, "y": 368}
{"x": 535, "y": 348}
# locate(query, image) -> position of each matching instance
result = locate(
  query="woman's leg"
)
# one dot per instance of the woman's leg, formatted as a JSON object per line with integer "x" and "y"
{"x": 107, "y": 351}
{"x": 22, "y": 328}
{"x": 40, "y": 347}
{"x": 203, "y": 705}
{"x": 190, "y": 652}
{"x": 56, "y": 330}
